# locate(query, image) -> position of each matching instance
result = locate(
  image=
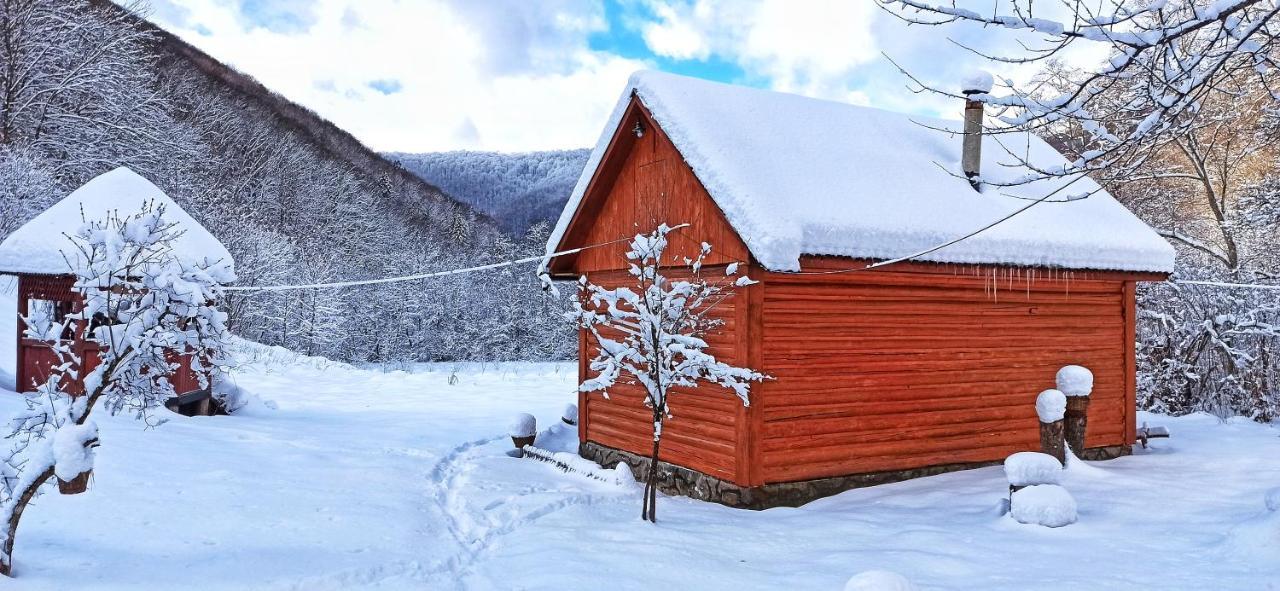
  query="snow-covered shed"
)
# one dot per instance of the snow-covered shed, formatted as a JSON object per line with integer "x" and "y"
{"x": 903, "y": 370}
{"x": 39, "y": 255}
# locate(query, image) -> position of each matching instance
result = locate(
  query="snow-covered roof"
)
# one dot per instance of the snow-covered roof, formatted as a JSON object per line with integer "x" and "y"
{"x": 797, "y": 176}
{"x": 37, "y": 247}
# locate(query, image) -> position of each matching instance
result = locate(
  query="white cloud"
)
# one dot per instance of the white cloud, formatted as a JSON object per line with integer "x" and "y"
{"x": 805, "y": 46}
{"x": 515, "y": 76}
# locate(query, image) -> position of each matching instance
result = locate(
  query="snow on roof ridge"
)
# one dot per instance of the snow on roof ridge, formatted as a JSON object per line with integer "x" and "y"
{"x": 38, "y": 246}
{"x": 797, "y": 175}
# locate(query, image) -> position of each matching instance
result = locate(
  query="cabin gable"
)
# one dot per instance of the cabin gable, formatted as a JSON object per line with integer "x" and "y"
{"x": 642, "y": 182}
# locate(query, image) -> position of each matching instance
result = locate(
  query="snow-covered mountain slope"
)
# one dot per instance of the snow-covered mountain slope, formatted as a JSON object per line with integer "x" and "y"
{"x": 361, "y": 479}
{"x": 516, "y": 189}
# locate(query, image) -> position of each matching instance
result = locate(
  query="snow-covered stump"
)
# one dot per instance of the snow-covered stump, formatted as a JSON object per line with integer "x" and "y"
{"x": 570, "y": 415}
{"x": 523, "y": 431}
{"x": 878, "y": 580}
{"x": 1051, "y": 407}
{"x": 1076, "y": 383}
{"x": 1029, "y": 468}
{"x": 1049, "y": 505}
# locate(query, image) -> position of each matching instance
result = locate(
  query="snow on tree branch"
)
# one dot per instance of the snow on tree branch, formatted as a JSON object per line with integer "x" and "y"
{"x": 652, "y": 333}
{"x": 144, "y": 308}
{"x": 1167, "y": 58}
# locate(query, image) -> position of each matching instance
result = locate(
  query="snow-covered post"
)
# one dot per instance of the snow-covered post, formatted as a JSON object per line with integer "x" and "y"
{"x": 145, "y": 307}
{"x": 570, "y": 414}
{"x": 1076, "y": 383}
{"x": 1051, "y": 405}
{"x": 652, "y": 333}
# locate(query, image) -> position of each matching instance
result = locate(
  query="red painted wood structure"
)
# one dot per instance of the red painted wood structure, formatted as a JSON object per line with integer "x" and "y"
{"x": 901, "y": 368}
{"x": 36, "y": 254}
{"x": 52, "y": 296}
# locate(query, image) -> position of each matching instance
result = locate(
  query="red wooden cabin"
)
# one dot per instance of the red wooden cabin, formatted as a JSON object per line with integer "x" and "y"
{"x": 37, "y": 255}
{"x": 904, "y": 370}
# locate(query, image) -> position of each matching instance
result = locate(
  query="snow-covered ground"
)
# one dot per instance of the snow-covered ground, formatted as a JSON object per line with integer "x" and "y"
{"x": 367, "y": 479}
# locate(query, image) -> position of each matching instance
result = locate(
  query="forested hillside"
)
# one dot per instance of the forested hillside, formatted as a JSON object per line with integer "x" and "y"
{"x": 518, "y": 190}
{"x": 296, "y": 200}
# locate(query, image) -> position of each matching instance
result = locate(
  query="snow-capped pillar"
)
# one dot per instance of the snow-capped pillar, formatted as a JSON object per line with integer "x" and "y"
{"x": 1051, "y": 407}
{"x": 1076, "y": 383}
{"x": 978, "y": 82}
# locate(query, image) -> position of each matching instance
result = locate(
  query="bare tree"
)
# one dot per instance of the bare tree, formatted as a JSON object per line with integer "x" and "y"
{"x": 1166, "y": 58}
{"x": 144, "y": 307}
{"x": 653, "y": 333}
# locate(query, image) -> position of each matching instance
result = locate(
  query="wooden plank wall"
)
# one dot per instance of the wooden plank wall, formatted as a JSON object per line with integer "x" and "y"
{"x": 654, "y": 186}
{"x": 701, "y": 432}
{"x": 892, "y": 370}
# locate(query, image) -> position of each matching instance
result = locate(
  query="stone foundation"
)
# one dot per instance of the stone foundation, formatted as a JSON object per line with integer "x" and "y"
{"x": 677, "y": 480}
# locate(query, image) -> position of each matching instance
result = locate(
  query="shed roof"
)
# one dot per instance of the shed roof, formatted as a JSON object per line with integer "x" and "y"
{"x": 800, "y": 176}
{"x": 38, "y": 246}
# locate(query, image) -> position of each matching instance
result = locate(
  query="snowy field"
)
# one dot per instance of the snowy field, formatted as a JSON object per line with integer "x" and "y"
{"x": 359, "y": 478}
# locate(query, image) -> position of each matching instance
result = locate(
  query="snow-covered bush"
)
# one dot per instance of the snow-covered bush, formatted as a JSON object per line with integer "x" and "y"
{"x": 1029, "y": 468}
{"x": 1211, "y": 349}
{"x": 878, "y": 580}
{"x": 1049, "y": 505}
{"x": 1051, "y": 405}
{"x": 523, "y": 425}
{"x": 1074, "y": 380}
{"x": 652, "y": 333}
{"x": 147, "y": 306}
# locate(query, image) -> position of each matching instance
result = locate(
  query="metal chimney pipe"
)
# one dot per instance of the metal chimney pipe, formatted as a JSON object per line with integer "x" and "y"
{"x": 971, "y": 153}
{"x": 977, "y": 82}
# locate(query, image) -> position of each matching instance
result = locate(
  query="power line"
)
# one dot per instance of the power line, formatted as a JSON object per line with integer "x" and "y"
{"x": 418, "y": 276}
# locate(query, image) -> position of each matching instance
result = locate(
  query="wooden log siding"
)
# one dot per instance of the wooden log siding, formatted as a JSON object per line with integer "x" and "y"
{"x": 702, "y": 431}
{"x": 909, "y": 366}
{"x": 892, "y": 370}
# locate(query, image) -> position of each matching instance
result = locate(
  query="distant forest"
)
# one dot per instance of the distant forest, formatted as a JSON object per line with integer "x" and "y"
{"x": 517, "y": 190}
{"x": 295, "y": 199}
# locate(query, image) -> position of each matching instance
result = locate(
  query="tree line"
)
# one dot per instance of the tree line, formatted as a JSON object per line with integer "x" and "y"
{"x": 87, "y": 85}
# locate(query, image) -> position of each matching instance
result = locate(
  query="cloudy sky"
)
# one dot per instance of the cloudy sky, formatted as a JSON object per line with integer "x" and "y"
{"x": 514, "y": 75}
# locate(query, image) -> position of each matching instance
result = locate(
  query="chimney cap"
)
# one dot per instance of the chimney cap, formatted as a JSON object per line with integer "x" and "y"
{"x": 977, "y": 82}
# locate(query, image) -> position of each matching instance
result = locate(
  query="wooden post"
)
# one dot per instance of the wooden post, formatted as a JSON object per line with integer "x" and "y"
{"x": 1052, "y": 439}
{"x": 1077, "y": 422}
{"x": 1051, "y": 406}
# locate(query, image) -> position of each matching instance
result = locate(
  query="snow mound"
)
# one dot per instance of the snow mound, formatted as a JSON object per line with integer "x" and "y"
{"x": 1272, "y": 499}
{"x": 71, "y": 457}
{"x": 1028, "y": 468}
{"x": 523, "y": 425}
{"x": 1049, "y": 505}
{"x": 977, "y": 81}
{"x": 1051, "y": 406}
{"x": 799, "y": 176}
{"x": 878, "y": 580}
{"x": 1075, "y": 380}
{"x": 41, "y": 245}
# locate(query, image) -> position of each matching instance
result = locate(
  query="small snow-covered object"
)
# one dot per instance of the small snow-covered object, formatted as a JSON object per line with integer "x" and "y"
{"x": 523, "y": 425}
{"x": 570, "y": 414}
{"x": 977, "y": 81}
{"x": 1029, "y": 468}
{"x": 1273, "y": 499}
{"x": 878, "y": 580}
{"x": 1074, "y": 380}
{"x": 1051, "y": 406}
{"x": 1049, "y": 505}
{"x": 73, "y": 450}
